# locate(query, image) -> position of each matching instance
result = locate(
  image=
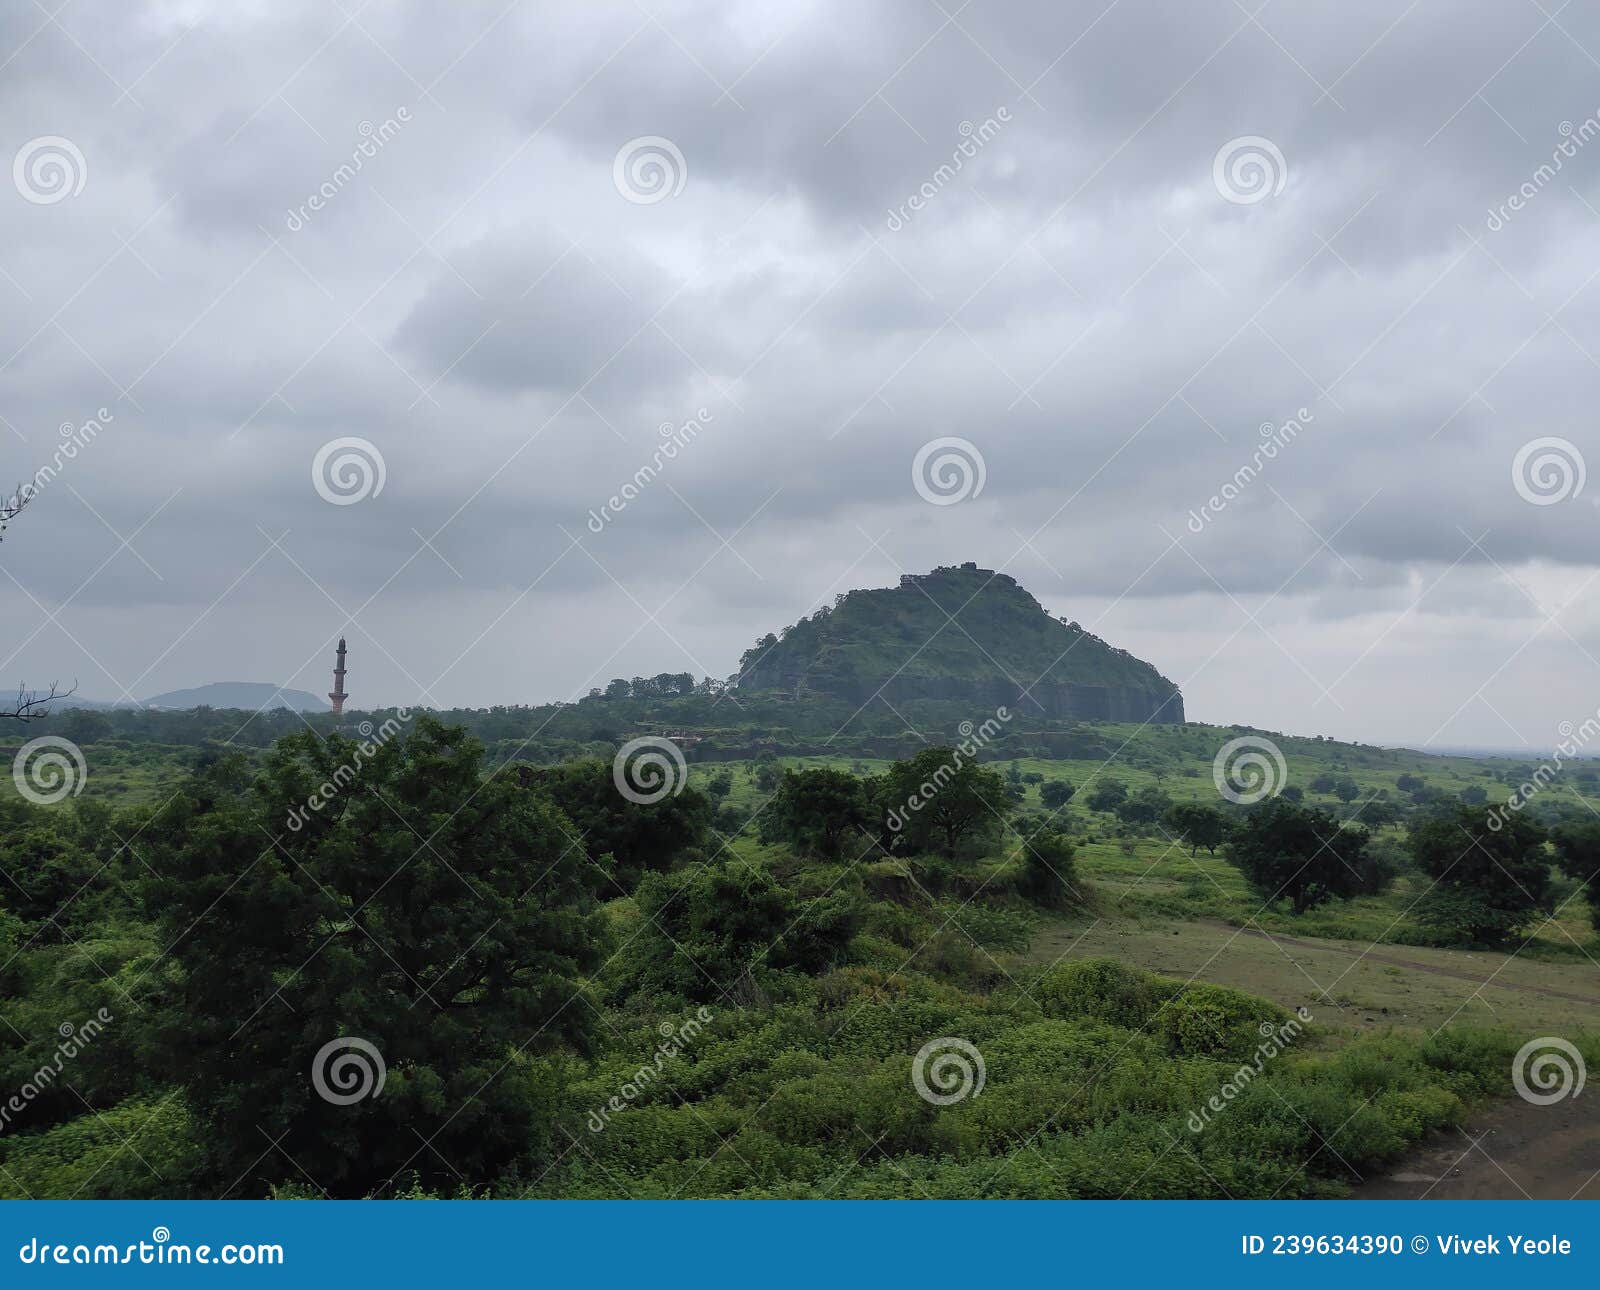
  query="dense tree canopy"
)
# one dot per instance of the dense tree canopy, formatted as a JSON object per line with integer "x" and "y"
{"x": 1577, "y": 845}
{"x": 1304, "y": 856}
{"x": 640, "y": 838}
{"x": 1055, "y": 793}
{"x": 817, "y": 811}
{"x": 712, "y": 934}
{"x": 940, "y": 799}
{"x": 1107, "y": 794}
{"x": 1198, "y": 825}
{"x": 438, "y": 917}
{"x": 1488, "y": 882}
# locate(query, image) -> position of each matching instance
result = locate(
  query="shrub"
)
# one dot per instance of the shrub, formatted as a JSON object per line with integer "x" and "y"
{"x": 728, "y": 922}
{"x": 1214, "y": 1021}
{"x": 1049, "y": 873}
{"x": 1102, "y": 989}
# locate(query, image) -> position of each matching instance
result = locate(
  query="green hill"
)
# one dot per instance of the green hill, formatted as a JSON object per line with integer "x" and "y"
{"x": 959, "y": 633}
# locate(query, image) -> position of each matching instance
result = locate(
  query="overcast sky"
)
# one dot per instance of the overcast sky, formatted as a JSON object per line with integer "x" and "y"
{"x": 247, "y": 230}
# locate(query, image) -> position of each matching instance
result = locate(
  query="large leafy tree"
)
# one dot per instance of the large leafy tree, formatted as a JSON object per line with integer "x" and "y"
{"x": 816, "y": 811}
{"x": 1488, "y": 882}
{"x": 938, "y": 798}
{"x": 1055, "y": 793}
{"x": 441, "y": 918}
{"x": 1107, "y": 794}
{"x": 1198, "y": 825}
{"x": 640, "y": 838}
{"x": 1144, "y": 808}
{"x": 1304, "y": 856}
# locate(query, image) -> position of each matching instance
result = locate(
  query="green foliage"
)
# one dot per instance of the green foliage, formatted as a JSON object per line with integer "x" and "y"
{"x": 1302, "y": 855}
{"x": 639, "y": 838}
{"x": 1198, "y": 825}
{"x": 1202, "y": 1020}
{"x": 817, "y": 811}
{"x": 1104, "y": 990}
{"x": 1107, "y": 795}
{"x": 1143, "y": 808}
{"x": 1055, "y": 793}
{"x": 141, "y": 1149}
{"x": 436, "y": 915}
{"x": 725, "y": 925}
{"x": 1577, "y": 848}
{"x": 1489, "y": 881}
{"x": 939, "y": 798}
{"x": 1049, "y": 872}
{"x": 826, "y": 978}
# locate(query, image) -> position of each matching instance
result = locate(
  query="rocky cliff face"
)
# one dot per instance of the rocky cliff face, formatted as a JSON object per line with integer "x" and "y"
{"x": 965, "y": 635}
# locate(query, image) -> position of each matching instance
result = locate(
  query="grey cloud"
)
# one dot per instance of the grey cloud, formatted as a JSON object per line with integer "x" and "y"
{"x": 1078, "y": 301}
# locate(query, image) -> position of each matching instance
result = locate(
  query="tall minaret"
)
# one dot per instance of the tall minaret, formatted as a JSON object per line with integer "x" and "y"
{"x": 337, "y": 696}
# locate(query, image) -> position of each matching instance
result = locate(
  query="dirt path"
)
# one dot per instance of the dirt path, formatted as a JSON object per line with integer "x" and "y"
{"x": 1512, "y": 1151}
{"x": 1373, "y": 956}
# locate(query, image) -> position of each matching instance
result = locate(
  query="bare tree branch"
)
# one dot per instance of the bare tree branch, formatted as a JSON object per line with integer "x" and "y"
{"x": 31, "y": 705}
{"x": 11, "y": 507}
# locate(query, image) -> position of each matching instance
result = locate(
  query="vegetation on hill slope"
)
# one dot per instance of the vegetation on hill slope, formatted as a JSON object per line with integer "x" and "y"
{"x": 959, "y": 633}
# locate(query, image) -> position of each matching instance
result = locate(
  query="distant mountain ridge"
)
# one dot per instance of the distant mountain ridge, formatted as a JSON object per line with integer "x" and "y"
{"x": 960, "y": 633}
{"x": 250, "y": 696}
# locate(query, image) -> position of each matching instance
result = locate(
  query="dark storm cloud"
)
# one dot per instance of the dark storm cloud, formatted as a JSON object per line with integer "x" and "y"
{"x": 898, "y": 223}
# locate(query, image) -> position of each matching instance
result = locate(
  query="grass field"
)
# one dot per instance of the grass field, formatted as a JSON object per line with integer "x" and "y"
{"x": 1159, "y": 907}
{"x": 1349, "y": 962}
